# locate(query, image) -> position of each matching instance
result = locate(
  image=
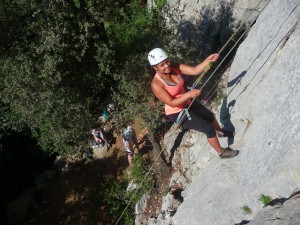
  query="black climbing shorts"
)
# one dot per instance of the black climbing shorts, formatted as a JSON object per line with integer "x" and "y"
{"x": 201, "y": 119}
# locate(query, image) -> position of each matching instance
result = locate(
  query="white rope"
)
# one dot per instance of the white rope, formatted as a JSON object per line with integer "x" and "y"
{"x": 138, "y": 188}
{"x": 202, "y": 74}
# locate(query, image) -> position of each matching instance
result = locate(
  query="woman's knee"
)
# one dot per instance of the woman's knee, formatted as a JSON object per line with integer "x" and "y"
{"x": 210, "y": 118}
{"x": 210, "y": 133}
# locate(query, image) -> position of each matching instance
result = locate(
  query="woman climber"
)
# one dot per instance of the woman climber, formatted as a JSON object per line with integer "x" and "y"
{"x": 168, "y": 86}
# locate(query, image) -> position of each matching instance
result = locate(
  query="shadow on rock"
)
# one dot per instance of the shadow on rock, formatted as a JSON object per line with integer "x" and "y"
{"x": 243, "y": 222}
{"x": 225, "y": 118}
{"x": 177, "y": 143}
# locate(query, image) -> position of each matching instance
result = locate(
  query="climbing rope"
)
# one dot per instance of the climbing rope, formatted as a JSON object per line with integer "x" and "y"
{"x": 138, "y": 188}
{"x": 208, "y": 67}
{"x": 210, "y": 64}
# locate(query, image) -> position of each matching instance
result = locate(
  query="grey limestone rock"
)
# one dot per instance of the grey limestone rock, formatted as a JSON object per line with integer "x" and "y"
{"x": 262, "y": 105}
{"x": 280, "y": 213}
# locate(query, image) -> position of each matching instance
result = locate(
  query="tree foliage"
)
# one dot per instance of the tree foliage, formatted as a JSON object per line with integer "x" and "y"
{"x": 138, "y": 31}
{"x": 116, "y": 196}
{"x": 62, "y": 61}
{"x": 55, "y": 65}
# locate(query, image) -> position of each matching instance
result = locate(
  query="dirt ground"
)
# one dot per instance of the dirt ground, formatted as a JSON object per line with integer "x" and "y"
{"x": 67, "y": 198}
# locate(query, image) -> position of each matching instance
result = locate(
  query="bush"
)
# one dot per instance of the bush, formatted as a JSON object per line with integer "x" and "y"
{"x": 246, "y": 210}
{"x": 113, "y": 194}
{"x": 265, "y": 199}
{"x": 141, "y": 175}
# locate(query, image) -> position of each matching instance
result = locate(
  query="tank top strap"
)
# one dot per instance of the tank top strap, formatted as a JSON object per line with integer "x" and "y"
{"x": 175, "y": 70}
{"x": 175, "y": 91}
{"x": 160, "y": 79}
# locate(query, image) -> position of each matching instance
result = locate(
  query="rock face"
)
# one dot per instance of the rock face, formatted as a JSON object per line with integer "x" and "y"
{"x": 205, "y": 24}
{"x": 281, "y": 213}
{"x": 262, "y": 106}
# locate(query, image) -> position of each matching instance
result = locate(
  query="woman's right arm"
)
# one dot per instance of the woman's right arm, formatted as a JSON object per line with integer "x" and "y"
{"x": 198, "y": 69}
{"x": 159, "y": 91}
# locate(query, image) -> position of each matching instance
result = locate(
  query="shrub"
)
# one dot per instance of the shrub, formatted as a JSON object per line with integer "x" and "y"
{"x": 246, "y": 210}
{"x": 139, "y": 170}
{"x": 113, "y": 194}
{"x": 265, "y": 199}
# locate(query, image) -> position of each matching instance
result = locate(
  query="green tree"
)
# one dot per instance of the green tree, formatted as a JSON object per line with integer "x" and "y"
{"x": 56, "y": 67}
{"x": 61, "y": 60}
{"x": 137, "y": 31}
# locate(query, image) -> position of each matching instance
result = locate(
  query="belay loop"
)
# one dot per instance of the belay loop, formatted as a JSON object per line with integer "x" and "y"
{"x": 185, "y": 110}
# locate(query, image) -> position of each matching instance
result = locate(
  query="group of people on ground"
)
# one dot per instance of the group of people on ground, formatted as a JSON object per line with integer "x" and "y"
{"x": 100, "y": 138}
{"x": 99, "y": 132}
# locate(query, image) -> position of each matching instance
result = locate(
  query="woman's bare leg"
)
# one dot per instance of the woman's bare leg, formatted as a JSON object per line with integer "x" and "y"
{"x": 129, "y": 159}
{"x": 214, "y": 142}
{"x": 216, "y": 126}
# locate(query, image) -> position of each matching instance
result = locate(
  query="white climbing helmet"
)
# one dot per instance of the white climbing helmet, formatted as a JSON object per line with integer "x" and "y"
{"x": 156, "y": 56}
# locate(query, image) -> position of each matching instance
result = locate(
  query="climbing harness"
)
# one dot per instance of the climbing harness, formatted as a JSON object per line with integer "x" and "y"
{"x": 185, "y": 110}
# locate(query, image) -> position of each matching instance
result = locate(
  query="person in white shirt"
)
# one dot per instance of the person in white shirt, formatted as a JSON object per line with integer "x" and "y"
{"x": 129, "y": 139}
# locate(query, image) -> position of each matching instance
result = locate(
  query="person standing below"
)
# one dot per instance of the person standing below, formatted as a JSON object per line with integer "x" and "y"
{"x": 129, "y": 139}
{"x": 168, "y": 86}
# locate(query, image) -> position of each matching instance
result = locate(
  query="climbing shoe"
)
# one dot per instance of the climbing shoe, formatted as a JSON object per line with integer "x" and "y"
{"x": 225, "y": 133}
{"x": 228, "y": 153}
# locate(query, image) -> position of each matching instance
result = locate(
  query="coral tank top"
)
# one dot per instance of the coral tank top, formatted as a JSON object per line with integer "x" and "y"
{"x": 175, "y": 90}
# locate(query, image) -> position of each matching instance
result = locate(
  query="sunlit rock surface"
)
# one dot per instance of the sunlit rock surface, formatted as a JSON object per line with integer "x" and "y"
{"x": 263, "y": 106}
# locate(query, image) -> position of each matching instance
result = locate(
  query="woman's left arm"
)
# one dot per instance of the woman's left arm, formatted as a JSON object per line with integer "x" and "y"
{"x": 196, "y": 70}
